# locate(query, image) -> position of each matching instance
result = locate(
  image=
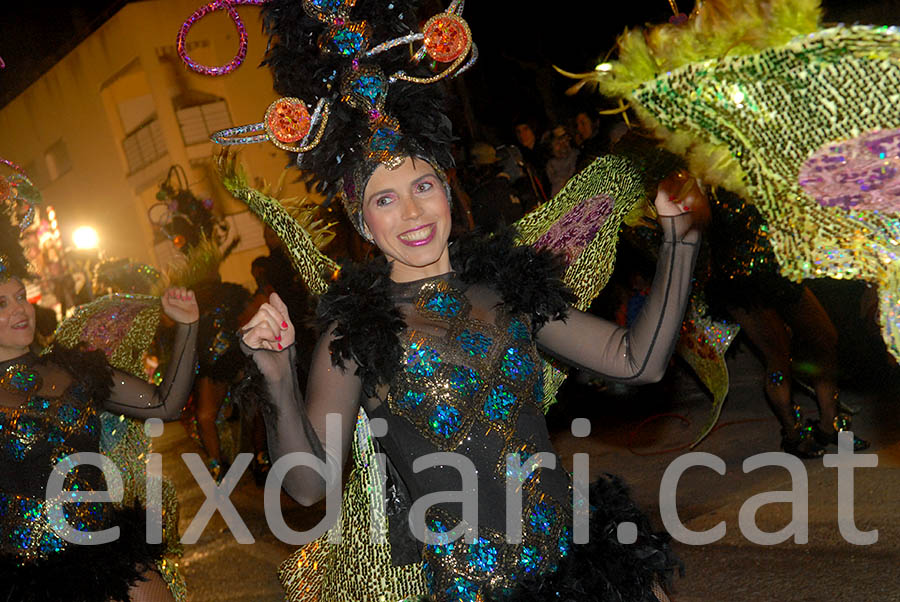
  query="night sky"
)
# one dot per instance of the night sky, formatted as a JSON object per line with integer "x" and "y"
{"x": 518, "y": 40}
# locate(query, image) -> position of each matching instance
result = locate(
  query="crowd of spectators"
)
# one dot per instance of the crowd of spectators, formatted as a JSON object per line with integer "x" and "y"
{"x": 496, "y": 184}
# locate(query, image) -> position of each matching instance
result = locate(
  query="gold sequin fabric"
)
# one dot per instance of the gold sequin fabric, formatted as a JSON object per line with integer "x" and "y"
{"x": 314, "y": 267}
{"x": 122, "y": 326}
{"x": 772, "y": 116}
{"x": 702, "y": 344}
{"x": 357, "y": 568}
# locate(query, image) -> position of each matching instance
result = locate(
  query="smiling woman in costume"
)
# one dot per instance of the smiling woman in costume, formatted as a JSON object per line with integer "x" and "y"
{"x": 438, "y": 343}
{"x": 49, "y": 408}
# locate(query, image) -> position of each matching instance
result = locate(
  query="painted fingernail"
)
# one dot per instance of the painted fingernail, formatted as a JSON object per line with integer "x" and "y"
{"x": 279, "y": 345}
{"x": 278, "y": 338}
{"x": 284, "y": 324}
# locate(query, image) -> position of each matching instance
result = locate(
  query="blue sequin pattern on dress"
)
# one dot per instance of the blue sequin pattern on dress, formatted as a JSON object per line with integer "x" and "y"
{"x": 422, "y": 360}
{"x": 465, "y": 381}
{"x": 516, "y": 365}
{"x": 475, "y": 343}
{"x": 445, "y": 420}
{"x": 499, "y": 403}
{"x": 443, "y": 304}
{"x": 471, "y": 380}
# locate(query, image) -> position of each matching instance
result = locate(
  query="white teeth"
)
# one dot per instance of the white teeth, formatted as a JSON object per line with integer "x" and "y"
{"x": 420, "y": 234}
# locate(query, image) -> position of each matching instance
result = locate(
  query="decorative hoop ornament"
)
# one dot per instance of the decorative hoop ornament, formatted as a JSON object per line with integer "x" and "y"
{"x": 447, "y": 37}
{"x": 286, "y": 122}
{"x": 229, "y": 7}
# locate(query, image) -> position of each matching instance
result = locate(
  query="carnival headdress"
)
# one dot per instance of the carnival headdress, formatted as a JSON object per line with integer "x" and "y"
{"x": 17, "y": 199}
{"x": 355, "y": 85}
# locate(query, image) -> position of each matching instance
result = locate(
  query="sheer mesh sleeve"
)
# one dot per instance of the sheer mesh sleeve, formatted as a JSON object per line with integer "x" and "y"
{"x": 137, "y": 398}
{"x": 638, "y": 354}
{"x": 300, "y": 425}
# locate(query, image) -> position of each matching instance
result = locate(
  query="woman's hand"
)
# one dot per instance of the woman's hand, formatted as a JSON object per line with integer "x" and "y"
{"x": 269, "y": 329}
{"x": 681, "y": 194}
{"x": 180, "y": 305}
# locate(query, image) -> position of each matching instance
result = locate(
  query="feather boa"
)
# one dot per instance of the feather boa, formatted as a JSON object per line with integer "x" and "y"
{"x": 89, "y": 367}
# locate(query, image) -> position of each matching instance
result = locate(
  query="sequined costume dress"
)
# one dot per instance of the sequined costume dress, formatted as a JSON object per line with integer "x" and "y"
{"x": 451, "y": 364}
{"x": 49, "y": 408}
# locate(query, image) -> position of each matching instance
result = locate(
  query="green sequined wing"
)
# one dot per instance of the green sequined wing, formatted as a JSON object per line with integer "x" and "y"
{"x": 770, "y": 125}
{"x": 315, "y": 268}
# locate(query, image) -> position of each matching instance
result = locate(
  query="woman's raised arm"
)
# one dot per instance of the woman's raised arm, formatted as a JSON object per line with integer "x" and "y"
{"x": 641, "y": 353}
{"x": 136, "y": 397}
{"x": 322, "y": 423}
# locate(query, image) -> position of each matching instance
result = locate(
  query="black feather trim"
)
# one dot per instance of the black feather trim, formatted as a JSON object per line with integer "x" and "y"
{"x": 96, "y": 573}
{"x": 529, "y": 281}
{"x": 89, "y": 367}
{"x": 605, "y": 570}
{"x": 367, "y": 324}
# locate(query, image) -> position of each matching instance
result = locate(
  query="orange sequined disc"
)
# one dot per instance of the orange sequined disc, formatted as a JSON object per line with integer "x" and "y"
{"x": 287, "y": 120}
{"x": 446, "y": 37}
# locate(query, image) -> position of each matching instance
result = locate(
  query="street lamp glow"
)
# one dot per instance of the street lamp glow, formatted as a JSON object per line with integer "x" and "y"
{"x": 85, "y": 237}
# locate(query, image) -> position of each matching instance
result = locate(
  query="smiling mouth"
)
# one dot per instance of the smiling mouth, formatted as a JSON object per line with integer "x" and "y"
{"x": 21, "y": 325}
{"x": 418, "y": 236}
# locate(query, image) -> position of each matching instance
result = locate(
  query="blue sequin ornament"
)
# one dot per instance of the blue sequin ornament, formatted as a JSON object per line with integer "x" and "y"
{"x": 443, "y": 304}
{"x": 565, "y": 542}
{"x": 18, "y": 378}
{"x": 37, "y": 403}
{"x": 369, "y": 86}
{"x": 538, "y": 390}
{"x": 445, "y": 420}
{"x": 384, "y": 139}
{"x": 411, "y": 400}
{"x": 482, "y": 555}
{"x": 423, "y": 360}
{"x": 462, "y": 590}
{"x": 348, "y": 43}
{"x": 516, "y": 365}
{"x": 442, "y": 544}
{"x": 327, "y": 6}
{"x": 530, "y": 559}
{"x": 499, "y": 403}
{"x": 542, "y": 517}
{"x": 68, "y": 414}
{"x": 465, "y": 381}
{"x": 475, "y": 343}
